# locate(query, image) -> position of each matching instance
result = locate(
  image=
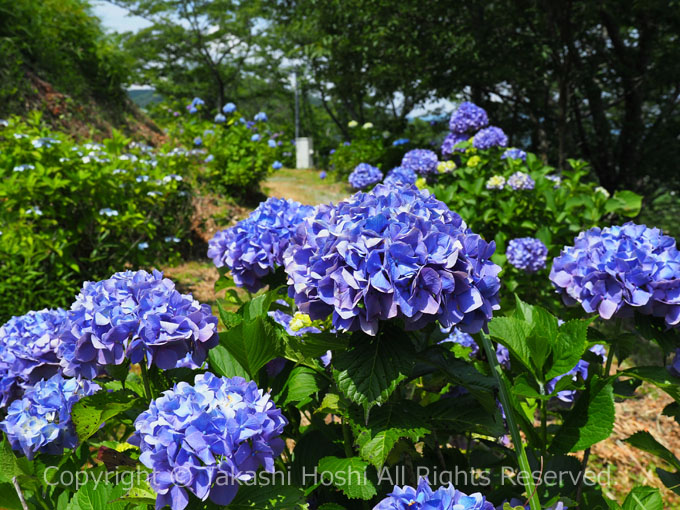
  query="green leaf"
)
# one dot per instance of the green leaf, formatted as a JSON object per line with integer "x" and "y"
{"x": 104, "y": 496}
{"x": 307, "y": 347}
{"x": 368, "y": 373}
{"x": 624, "y": 202}
{"x": 90, "y": 412}
{"x": 643, "y": 498}
{"x": 301, "y": 384}
{"x": 8, "y": 462}
{"x": 571, "y": 342}
{"x": 140, "y": 492}
{"x": 348, "y": 475}
{"x": 513, "y": 334}
{"x": 590, "y": 421}
{"x": 658, "y": 376}
{"x": 224, "y": 364}
{"x": 252, "y": 343}
{"x": 646, "y": 442}
{"x": 387, "y": 425}
{"x": 229, "y": 319}
{"x": 465, "y": 414}
{"x": 268, "y": 496}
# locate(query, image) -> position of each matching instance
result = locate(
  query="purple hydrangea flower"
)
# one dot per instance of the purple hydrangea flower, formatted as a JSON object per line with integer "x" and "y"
{"x": 41, "y": 420}
{"x": 421, "y": 161}
{"x": 503, "y": 356}
{"x": 463, "y": 339}
{"x": 527, "y": 253}
{"x": 468, "y": 118}
{"x": 514, "y": 154}
{"x": 138, "y": 316}
{"x": 424, "y": 498}
{"x": 449, "y": 144}
{"x": 556, "y": 179}
{"x": 214, "y": 433}
{"x": 392, "y": 254}
{"x": 490, "y": 137}
{"x": 254, "y": 247}
{"x": 579, "y": 371}
{"x": 618, "y": 270}
{"x": 28, "y": 350}
{"x": 322, "y": 174}
{"x": 520, "y": 180}
{"x": 400, "y": 176}
{"x": 229, "y": 108}
{"x": 364, "y": 175}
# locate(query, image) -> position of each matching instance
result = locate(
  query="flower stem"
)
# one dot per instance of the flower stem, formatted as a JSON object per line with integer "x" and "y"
{"x": 347, "y": 439}
{"x": 145, "y": 378}
{"x": 522, "y": 459}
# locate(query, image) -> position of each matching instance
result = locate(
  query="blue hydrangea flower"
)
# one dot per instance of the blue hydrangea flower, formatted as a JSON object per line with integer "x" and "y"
{"x": 449, "y": 144}
{"x": 322, "y": 174}
{"x": 527, "y": 253}
{"x": 260, "y": 117}
{"x": 490, "y": 137}
{"x": 195, "y": 103}
{"x": 520, "y": 180}
{"x": 41, "y": 420}
{"x": 421, "y": 161}
{"x": 463, "y": 339}
{"x": 400, "y": 141}
{"x": 468, "y": 118}
{"x": 400, "y": 176}
{"x": 556, "y": 179}
{"x": 514, "y": 154}
{"x": 255, "y": 137}
{"x": 138, "y": 316}
{"x": 198, "y": 140}
{"x": 618, "y": 270}
{"x": 271, "y": 143}
{"x": 391, "y": 254}
{"x": 28, "y": 350}
{"x": 229, "y": 108}
{"x": 276, "y": 165}
{"x": 579, "y": 371}
{"x": 424, "y": 498}
{"x": 503, "y": 356}
{"x": 364, "y": 175}
{"x": 214, "y": 433}
{"x": 220, "y": 118}
{"x": 254, "y": 247}
{"x": 674, "y": 367}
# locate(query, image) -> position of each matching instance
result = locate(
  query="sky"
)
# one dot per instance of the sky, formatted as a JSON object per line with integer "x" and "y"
{"x": 116, "y": 19}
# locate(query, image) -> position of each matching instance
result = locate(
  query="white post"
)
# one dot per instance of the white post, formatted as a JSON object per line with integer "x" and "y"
{"x": 303, "y": 152}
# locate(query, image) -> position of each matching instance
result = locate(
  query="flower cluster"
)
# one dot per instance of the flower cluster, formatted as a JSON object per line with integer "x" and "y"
{"x": 138, "y": 316}
{"x": 365, "y": 175}
{"x": 556, "y": 179}
{"x": 579, "y": 371}
{"x": 468, "y": 118}
{"x": 28, "y": 350}
{"x": 527, "y": 253}
{"x": 448, "y": 147}
{"x": 216, "y": 433}
{"x": 490, "y": 137}
{"x": 520, "y": 180}
{"x": 41, "y": 420}
{"x": 400, "y": 176}
{"x": 514, "y": 154}
{"x": 446, "y": 166}
{"x": 618, "y": 270}
{"x": 383, "y": 254}
{"x": 421, "y": 161}
{"x": 424, "y": 498}
{"x": 495, "y": 182}
{"x": 295, "y": 325}
{"x": 254, "y": 247}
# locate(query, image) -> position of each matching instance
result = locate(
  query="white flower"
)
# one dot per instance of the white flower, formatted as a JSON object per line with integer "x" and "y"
{"x": 368, "y": 125}
{"x": 600, "y": 189}
{"x": 352, "y": 123}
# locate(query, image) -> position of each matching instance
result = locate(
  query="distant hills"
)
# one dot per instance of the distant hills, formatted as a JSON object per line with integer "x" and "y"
{"x": 144, "y": 97}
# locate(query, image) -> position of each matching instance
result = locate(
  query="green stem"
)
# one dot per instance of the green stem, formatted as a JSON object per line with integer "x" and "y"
{"x": 347, "y": 439}
{"x": 544, "y": 421}
{"x": 145, "y": 378}
{"x": 610, "y": 354}
{"x": 522, "y": 459}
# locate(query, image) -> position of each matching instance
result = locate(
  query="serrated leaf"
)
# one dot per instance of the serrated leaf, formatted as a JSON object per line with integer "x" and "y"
{"x": 590, "y": 421}
{"x": 224, "y": 364}
{"x": 104, "y": 496}
{"x": 268, "y": 496}
{"x": 252, "y": 343}
{"x": 368, "y": 373}
{"x": 90, "y": 412}
{"x": 301, "y": 384}
{"x": 658, "y": 376}
{"x": 571, "y": 342}
{"x": 8, "y": 462}
{"x": 513, "y": 334}
{"x": 348, "y": 475}
{"x": 646, "y": 442}
{"x": 643, "y": 498}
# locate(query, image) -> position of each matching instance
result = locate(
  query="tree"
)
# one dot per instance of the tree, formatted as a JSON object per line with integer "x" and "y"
{"x": 200, "y": 47}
